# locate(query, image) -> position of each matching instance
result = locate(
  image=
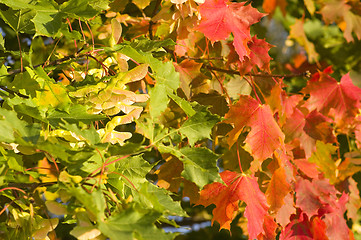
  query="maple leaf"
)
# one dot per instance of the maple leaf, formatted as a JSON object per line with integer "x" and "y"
{"x": 341, "y": 13}
{"x": 308, "y": 129}
{"x": 277, "y": 189}
{"x": 48, "y": 170}
{"x": 188, "y": 70}
{"x": 169, "y": 174}
{"x": 319, "y": 198}
{"x": 323, "y": 158}
{"x": 336, "y": 225}
{"x": 338, "y": 100}
{"x": 286, "y": 211}
{"x": 354, "y": 203}
{"x": 298, "y": 229}
{"x": 318, "y": 229}
{"x": 308, "y": 168}
{"x": 318, "y": 127}
{"x": 293, "y": 127}
{"x": 282, "y": 104}
{"x": 301, "y": 228}
{"x": 269, "y": 6}
{"x": 258, "y": 56}
{"x": 269, "y": 227}
{"x": 220, "y": 18}
{"x": 226, "y": 197}
{"x": 169, "y": 177}
{"x": 265, "y": 135}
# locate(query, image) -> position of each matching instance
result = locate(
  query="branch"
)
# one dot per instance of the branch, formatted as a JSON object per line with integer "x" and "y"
{"x": 32, "y": 186}
{"x": 306, "y": 74}
{"x": 4, "y": 88}
{"x": 52, "y": 63}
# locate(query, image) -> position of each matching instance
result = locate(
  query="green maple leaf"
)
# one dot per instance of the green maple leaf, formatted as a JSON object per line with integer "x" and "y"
{"x": 132, "y": 224}
{"x": 199, "y": 126}
{"x": 200, "y": 164}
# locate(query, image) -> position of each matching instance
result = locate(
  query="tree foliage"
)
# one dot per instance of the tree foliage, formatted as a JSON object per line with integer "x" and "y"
{"x": 122, "y": 119}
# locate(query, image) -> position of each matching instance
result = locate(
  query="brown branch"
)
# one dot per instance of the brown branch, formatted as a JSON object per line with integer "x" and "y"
{"x": 4, "y": 88}
{"x": 32, "y": 186}
{"x": 52, "y": 63}
{"x": 306, "y": 74}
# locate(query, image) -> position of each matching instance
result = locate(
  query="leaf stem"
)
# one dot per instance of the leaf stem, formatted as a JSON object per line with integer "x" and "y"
{"x": 122, "y": 175}
{"x": 71, "y": 29}
{"x": 250, "y": 82}
{"x": 91, "y": 34}
{"x": 8, "y": 205}
{"x": 239, "y": 158}
{"x": 222, "y": 87}
{"x": 12, "y": 188}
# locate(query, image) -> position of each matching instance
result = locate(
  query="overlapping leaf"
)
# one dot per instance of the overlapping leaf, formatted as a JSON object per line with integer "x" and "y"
{"x": 199, "y": 126}
{"x": 226, "y": 198}
{"x": 200, "y": 164}
{"x": 265, "y": 135}
{"x": 220, "y": 18}
{"x": 338, "y": 100}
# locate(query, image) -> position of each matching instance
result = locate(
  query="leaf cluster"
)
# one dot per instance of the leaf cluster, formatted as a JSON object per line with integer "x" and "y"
{"x": 119, "y": 119}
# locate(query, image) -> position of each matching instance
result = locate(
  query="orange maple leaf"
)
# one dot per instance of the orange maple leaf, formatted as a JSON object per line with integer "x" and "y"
{"x": 265, "y": 135}
{"x": 226, "y": 198}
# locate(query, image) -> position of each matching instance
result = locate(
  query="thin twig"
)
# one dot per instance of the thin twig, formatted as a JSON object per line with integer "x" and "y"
{"x": 8, "y": 205}
{"x": 56, "y": 44}
{"x": 52, "y": 63}
{"x": 82, "y": 32}
{"x": 91, "y": 34}
{"x": 12, "y": 188}
{"x": 13, "y": 92}
{"x": 222, "y": 87}
{"x": 251, "y": 82}
{"x": 239, "y": 158}
{"x": 106, "y": 69}
{"x": 71, "y": 29}
{"x": 21, "y": 55}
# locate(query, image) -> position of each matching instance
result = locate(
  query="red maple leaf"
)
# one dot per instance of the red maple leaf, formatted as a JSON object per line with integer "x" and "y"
{"x": 317, "y": 126}
{"x": 220, "y": 18}
{"x": 312, "y": 196}
{"x": 298, "y": 229}
{"x": 308, "y": 129}
{"x": 336, "y": 224}
{"x": 302, "y": 228}
{"x": 265, "y": 135}
{"x": 286, "y": 211}
{"x": 331, "y": 98}
{"x": 270, "y": 227}
{"x": 258, "y": 56}
{"x": 319, "y": 198}
{"x": 226, "y": 198}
